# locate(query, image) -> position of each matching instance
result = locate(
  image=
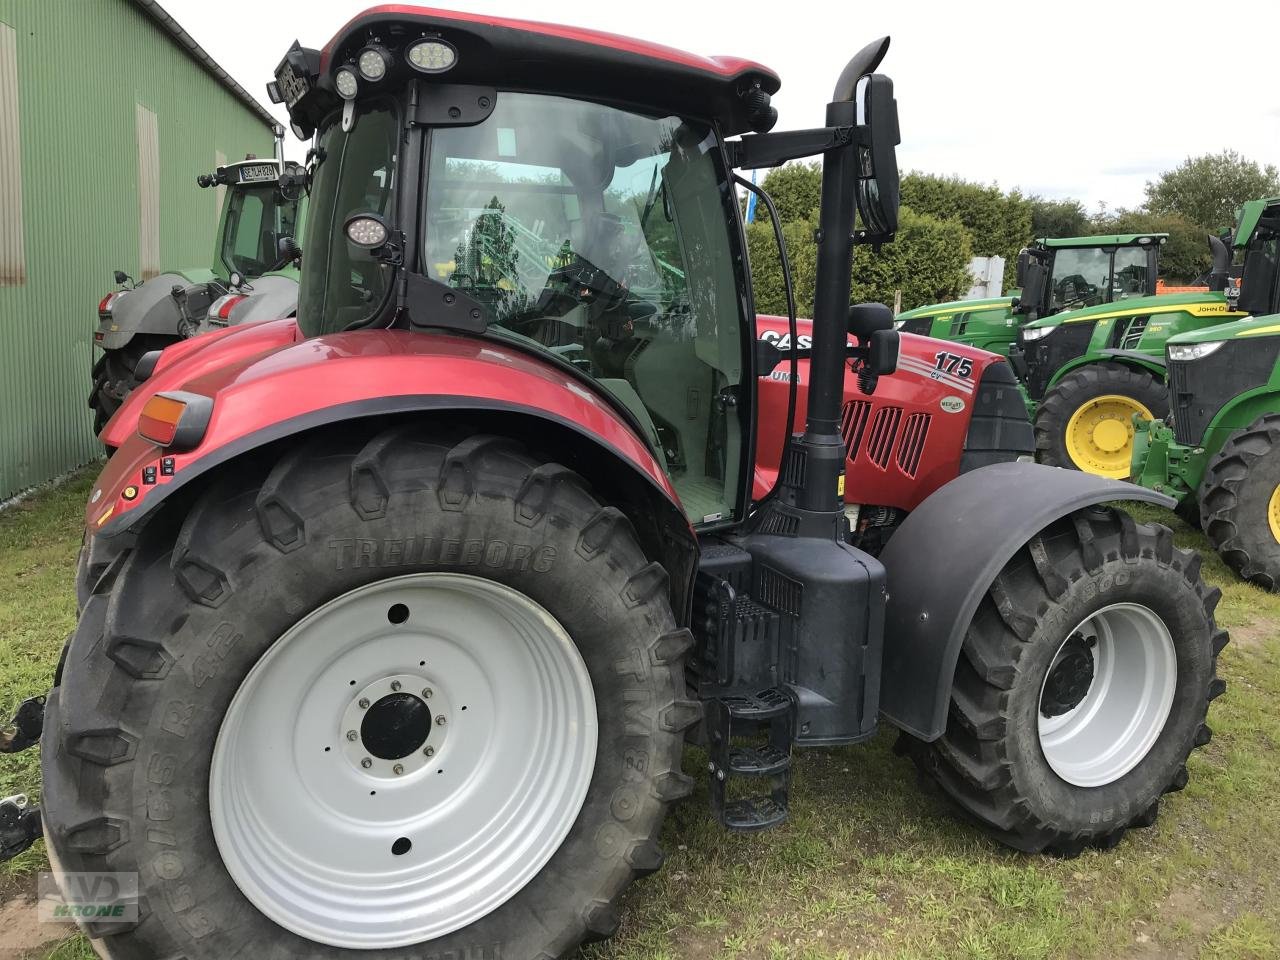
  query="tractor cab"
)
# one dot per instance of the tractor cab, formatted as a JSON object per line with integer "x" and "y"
{"x": 1069, "y": 273}
{"x": 260, "y": 210}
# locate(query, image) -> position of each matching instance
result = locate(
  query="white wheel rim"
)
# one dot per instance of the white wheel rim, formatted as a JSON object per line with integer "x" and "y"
{"x": 1121, "y": 714}
{"x": 308, "y": 833}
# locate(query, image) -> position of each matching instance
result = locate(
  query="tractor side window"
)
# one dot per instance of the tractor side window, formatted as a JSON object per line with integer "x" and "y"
{"x": 342, "y": 286}
{"x": 1081, "y": 278}
{"x": 1129, "y": 278}
{"x": 600, "y": 236}
{"x": 250, "y": 231}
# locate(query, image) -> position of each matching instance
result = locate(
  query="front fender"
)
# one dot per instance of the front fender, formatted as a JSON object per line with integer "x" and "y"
{"x": 943, "y": 558}
{"x": 1156, "y": 365}
{"x": 275, "y": 393}
{"x": 189, "y": 359}
{"x": 1133, "y": 358}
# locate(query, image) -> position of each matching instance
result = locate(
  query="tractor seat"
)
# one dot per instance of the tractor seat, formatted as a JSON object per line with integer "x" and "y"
{"x": 866, "y": 318}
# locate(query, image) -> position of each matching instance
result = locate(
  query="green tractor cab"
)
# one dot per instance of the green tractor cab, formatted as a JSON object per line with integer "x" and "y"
{"x": 1218, "y": 453}
{"x": 1086, "y": 336}
{"x": 1063, "y": 273}
{"x": 254, "y": 259}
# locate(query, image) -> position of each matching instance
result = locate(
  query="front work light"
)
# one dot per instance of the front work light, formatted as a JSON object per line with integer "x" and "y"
{"x": 175, "y": 420}
{"x": 345, "y": 83}
{"x": 366, "y": 230}
{"x": 373, "y": 63}
{"x": 432, "y": 56}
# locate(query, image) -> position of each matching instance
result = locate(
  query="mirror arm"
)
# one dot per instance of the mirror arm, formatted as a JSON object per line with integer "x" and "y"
{"x": 759, "y": 150}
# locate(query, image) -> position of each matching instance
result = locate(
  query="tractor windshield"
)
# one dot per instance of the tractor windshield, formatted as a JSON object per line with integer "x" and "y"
{"x": 600, "y": 236}
{"x": 255, "y": 220}
{"x": 1087, "y": 276}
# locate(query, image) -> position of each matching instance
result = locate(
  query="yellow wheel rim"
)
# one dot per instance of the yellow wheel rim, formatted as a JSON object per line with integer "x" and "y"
{"x": 1100, "y": 435}
{"x": 1273, "y": 514}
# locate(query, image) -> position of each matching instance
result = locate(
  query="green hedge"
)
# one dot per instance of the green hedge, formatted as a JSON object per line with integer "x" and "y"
{"x": 928, "y": 262}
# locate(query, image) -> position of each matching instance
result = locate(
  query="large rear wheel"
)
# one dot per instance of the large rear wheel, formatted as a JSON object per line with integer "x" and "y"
{"x": 1082, "y": 688}
{"x": 394, "y": 695}
{"x": 1240, "y": 502}
{"x": 1086, "y": 420}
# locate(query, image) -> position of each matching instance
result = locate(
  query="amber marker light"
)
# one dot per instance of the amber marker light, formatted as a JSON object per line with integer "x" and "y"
{"x": 176, "y": 420}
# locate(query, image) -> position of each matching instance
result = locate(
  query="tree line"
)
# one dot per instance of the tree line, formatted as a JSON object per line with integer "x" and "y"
{"x": 945, "y": 221}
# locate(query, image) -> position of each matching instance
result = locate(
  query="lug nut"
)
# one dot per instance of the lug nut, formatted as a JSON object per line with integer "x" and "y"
{"x": 398, "y": 769}
{"x": 426, "y": 693}
{"x": 366, "y": 763}
{"x": 395, "y": 686}
{"x": 364, "y": 703}
{"x": 441, "y": 720}
{"x": 352, "y": 736}
{"x": 429, "y": 752}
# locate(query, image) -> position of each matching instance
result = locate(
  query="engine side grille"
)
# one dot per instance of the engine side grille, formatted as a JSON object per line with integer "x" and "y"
{"x": 853, "y": 421}
{"x": 1198, "y": 389}
{"x": 884, "y": 428}
{"x": 1127, "y": 333}
{"x": 912, "y": 446}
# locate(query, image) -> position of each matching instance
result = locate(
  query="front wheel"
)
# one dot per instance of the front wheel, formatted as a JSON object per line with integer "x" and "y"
{"x": 1086, "y": 420}
{"x": 1240, "y": 502}
{"x": 1082, "y": 688}
{"x": 400, "y": 694}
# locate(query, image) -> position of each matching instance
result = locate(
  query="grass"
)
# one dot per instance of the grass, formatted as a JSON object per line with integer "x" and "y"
{"x": 869, "y": 866}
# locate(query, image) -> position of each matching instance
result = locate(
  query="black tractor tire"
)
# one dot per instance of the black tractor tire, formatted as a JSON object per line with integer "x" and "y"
{"x": 114, "y": 379}
{"x": 990, "y": 762}
{"x": 1079, "y": 387}
{"x": 1236, "y": 502}
{"x": 132, "y": 722}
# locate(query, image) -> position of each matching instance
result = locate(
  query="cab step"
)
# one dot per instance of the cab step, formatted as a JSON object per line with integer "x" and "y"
{"x": 749, "y": 739}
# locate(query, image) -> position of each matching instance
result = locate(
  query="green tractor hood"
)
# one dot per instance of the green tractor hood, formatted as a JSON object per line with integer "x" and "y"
{"x": 959, "y": 306}
{"x": 1197, "y": 304}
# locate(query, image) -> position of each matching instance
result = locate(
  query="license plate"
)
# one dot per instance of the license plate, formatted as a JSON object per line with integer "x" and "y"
{"x": 258, "y": 172}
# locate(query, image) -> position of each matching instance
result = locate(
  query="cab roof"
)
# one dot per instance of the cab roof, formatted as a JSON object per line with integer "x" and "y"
{"x": 526, "y": 54}
{"x": 1104, "y": 240}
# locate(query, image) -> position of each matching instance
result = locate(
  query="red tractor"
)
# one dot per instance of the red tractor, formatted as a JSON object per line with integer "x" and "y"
{"x": 395, "y": 618}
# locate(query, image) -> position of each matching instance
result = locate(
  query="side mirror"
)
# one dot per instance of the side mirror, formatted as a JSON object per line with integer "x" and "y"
{"x": 877, "y": 165}
{"x": 1256, "y": 283}
{"x": 866, "y": 319}
{"x": 883, "y": 354}
{"x": 1024, "y": 257}
{"x": 1035, "y": 275}
{"x": 121, "y": 277}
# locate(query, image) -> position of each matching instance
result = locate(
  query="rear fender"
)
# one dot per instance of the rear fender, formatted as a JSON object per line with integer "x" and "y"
{"x": 148, "y": 308}
{"x": 322, "y": 383}
{"x": 944, "y": 557}
{"x": 189, "y": 359}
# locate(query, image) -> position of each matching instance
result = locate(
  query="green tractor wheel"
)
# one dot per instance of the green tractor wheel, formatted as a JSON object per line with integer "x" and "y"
{"x": 1085, "y": 421}
{"x": 1240, "y": 502}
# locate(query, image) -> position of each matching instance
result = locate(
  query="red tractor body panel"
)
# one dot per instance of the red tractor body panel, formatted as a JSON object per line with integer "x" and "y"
{"x": 355, "y": 374}
{"x": 904, "y": 441}
{"x": 188, "y": 359}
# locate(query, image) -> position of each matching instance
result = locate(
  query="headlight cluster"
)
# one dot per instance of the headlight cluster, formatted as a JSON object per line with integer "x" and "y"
{"x": 1036, "y": 333}
{"x": 374, "y": 62}
{"x": 1192, "y": 351}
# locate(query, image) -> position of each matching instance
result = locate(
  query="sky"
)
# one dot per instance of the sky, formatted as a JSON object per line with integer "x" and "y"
{"x": 1079, "y": 98}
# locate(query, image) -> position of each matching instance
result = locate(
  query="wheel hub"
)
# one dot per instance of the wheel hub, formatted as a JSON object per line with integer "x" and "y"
{"x": 1099, "y": 435}
{"x": 1273, "y": 514}
{"x": 1069, "y": 681}
{"x": 396, "y": 726}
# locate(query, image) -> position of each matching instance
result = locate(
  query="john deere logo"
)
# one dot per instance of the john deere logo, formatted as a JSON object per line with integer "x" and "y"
{"x": 951, "y": 404}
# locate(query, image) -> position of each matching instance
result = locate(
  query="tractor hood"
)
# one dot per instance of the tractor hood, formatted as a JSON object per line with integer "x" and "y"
{"x": 1248, "y": 327}
{"x": 1196, "y": 304}
{"x": 958, "y": 306}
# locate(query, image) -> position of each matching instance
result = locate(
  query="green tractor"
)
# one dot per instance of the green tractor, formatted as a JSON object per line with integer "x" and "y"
{"x": 1086, "y": 338}
{"x": 1219, "y": 452}
{"x": 254, "y": 270}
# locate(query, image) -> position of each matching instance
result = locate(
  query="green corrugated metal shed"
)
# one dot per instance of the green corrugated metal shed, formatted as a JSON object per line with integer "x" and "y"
{"x": 83, "y": 83}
